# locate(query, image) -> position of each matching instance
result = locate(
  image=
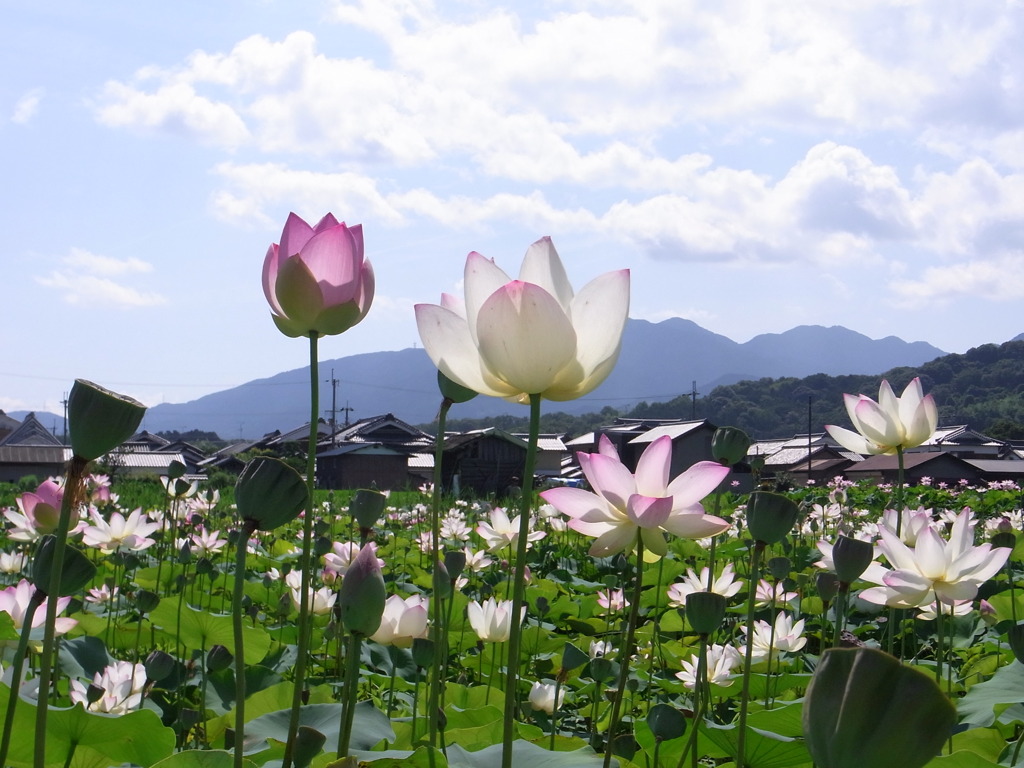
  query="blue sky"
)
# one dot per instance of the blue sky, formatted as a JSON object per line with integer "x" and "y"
{"x": 758, "y": 164}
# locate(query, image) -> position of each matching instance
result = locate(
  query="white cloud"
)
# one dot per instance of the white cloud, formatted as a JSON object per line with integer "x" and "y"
{"x": 996, "y": 279}
{"x": 27, "y": 106}
{"x": 85, "y": 279}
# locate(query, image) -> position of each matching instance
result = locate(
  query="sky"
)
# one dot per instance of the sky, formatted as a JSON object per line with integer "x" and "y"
{"x": 756, "y": 164}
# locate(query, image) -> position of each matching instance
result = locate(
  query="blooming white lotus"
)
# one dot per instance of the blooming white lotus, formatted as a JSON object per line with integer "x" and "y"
{"x": 782, "y": 636}
{"x": 726, "y": 585}
{"x": 122, "y": 685}
{"x": 131, "y": 533}
{"x": 492, "y": 619}
{"x": 722, "y": 660}
{"x": 935, "y": 569}
{"x": 891, "y": 424}
{"x": 504, "y": 532}
{"x": 403, "y": 621}
{"x": 623, "y": 503}
{"x": 531, "y": 336}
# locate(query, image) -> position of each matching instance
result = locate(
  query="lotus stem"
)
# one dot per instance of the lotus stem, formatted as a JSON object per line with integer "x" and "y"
{"x": 755, "y": 562}
{"x": 519, "y": 588}
{"x": 307, "y": 547}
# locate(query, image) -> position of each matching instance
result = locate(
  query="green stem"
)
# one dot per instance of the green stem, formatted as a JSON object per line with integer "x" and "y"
{"x": 755, "y": 562}
{"x": 19, "y": 664}
{"x": 72, "y": 492}
{"x": 634, "y": 616}
{"x": 247, "y": 529}
{"x": 437, "y": 604}
{"x": 307, "y": 547}
{"x": 348, "y": 710}
{"x": 519, "y": 589}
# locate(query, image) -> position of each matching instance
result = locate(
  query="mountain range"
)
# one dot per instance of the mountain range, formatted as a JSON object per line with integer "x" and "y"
{"x": 659, "y": 361}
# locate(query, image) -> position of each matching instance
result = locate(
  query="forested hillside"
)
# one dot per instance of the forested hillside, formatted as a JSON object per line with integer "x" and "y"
{"x": 983, "y": 387}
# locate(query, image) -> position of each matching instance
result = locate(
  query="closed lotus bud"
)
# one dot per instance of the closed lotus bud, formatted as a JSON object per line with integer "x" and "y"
{"x": 362, "y": 595}
{"x": 770, "y": 516}
{"x": 705, "y": 611}
{"x": 779, "y": 567}
{"x": 851, "y": 557}
{"x": 729, "y": 445}
{"x": 366, "y": 507}
{"x": 454, "y": 391}
{"x": 865, "y": 708}
{"x": 827, "y": 585}
{"x": 100, "y": 420}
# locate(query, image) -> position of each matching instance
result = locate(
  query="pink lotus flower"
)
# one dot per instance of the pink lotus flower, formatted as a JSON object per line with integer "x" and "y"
{"x": 14, "y": 601}
{"x": 892, "y": 423}
{"x": 316, "y": 279}
{"x": 40, "y": 512}
{"x": 531, "y": 336}
{"x": 624, "y": 503}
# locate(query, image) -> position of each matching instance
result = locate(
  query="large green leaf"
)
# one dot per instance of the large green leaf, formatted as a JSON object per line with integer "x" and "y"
{"x": 763, "y": 749}
{"x": 207, "y": 758}
{"x": 1006, "y": 686}
{"x": 202, "y": 629}
{"x": 524, "y": 755}
{"x": 137, "y": 737}
{"x": 370, "y": 726}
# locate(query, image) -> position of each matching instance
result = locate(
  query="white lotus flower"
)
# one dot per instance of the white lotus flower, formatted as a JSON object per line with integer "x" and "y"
{"x": 531, "y": 336}
{"x": 891, "y": 424}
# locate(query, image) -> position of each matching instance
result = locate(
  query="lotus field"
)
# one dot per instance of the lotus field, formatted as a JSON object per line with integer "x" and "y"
{"x": 146, "y": 643}
{"x": 645, "y": 620}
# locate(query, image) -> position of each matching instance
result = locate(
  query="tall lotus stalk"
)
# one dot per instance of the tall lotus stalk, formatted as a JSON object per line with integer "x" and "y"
{"x": 526, "y": 340}
{"x": 99, "y": 420}
{"x": 317, "y": 284}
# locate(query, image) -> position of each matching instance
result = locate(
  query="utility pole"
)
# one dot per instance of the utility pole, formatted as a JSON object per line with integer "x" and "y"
{"x": 334, "y": 407}
{"x": 64, "y": 402}
{"x": 347, "y": 411}
{"x": 693, "y": 400}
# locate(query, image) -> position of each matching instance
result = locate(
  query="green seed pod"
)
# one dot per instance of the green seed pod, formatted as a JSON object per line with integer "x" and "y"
{"x": 852, "y": 557}
{"x": 100, "y": 420}
{"x": 705, "y": 611}
{"x": 729, "y": 445}
{"x": 269, "y": 493}
{"x": 770, "y": 516}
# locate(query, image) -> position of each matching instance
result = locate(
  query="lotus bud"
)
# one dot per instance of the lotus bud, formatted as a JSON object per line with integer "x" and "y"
{"x": 366, "y": 507}
{"x": 827, "y": 585}
{"x": 100, "y": 420}
{"x": 705, "y": 611}
{"x": 770, "y": 516}
{"x": 269, "y": 493}
{"x": 729, "y": 445}
{"x": 851, "y": 557}
{"x": 865, "y": 708}
{"x": 453, "y": 391}
{"x": 362, "y": 595}
{"x": 779, "y": 567}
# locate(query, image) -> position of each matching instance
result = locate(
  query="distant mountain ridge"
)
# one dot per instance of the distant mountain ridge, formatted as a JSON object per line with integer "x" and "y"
{"x": 659, "y": 361}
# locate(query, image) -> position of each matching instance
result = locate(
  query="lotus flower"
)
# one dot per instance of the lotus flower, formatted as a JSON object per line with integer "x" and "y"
{"x": 624, "y": 503}
{"x": 891, "y": 424}
{"x": 542, "y": 697}
{"x": 492, "y": 619}
{"x": 935, "y": 569}
{"x": 403, "y": 621}
{"x": 531, "y": 336}
{"x": 316, "y": 279}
